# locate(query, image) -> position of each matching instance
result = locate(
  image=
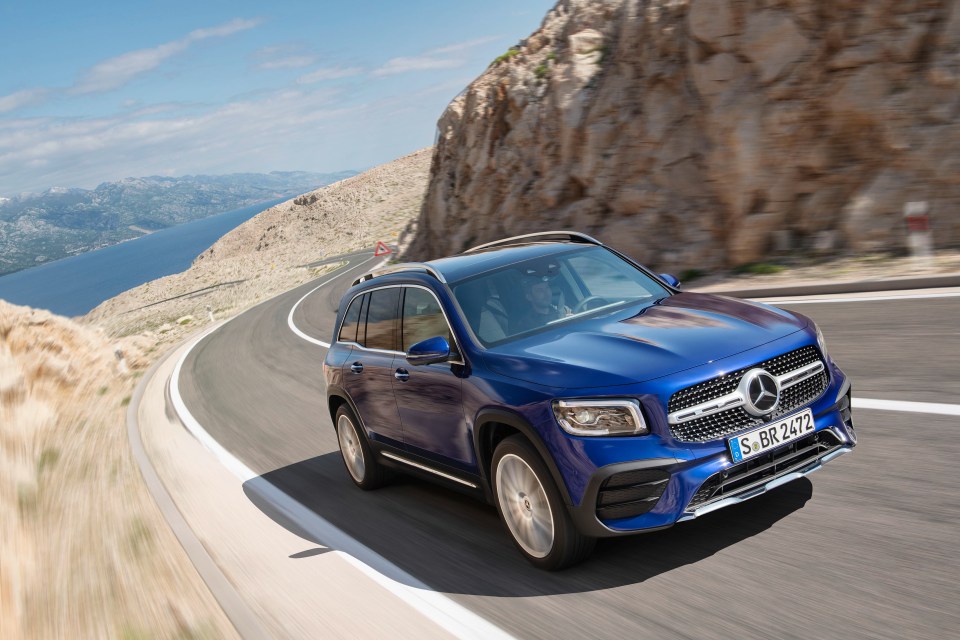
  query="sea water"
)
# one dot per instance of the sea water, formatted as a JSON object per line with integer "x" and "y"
{"x": 75, "y": 285}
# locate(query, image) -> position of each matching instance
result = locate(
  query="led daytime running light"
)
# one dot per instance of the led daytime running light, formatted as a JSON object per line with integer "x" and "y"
{"x": 600, "y": 417}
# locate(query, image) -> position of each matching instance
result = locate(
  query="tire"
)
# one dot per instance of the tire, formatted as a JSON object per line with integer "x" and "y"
{"x": 358, "y": 458}
{"x": 532, "y": 509}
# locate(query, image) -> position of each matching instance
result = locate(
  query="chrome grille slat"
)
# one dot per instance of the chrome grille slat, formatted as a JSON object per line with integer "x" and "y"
{"x": 719, "y": 424}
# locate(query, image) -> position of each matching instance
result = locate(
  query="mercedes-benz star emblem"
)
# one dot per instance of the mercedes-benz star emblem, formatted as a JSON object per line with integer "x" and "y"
{"x": 761, "y": 392}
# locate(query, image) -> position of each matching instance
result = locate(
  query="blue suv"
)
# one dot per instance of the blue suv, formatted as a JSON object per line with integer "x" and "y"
{"x": 581, "y": 394}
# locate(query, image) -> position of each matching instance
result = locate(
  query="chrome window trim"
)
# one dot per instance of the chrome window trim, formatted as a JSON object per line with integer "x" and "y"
{"x": 360, "y": 346}
{"x": 736, "y": 399}
{"x": 456, "y": 342}
{"x": 424, "y": 467}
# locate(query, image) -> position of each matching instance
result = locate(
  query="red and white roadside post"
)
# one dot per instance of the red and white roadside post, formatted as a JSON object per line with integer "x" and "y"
{"x": 919, "y": 239}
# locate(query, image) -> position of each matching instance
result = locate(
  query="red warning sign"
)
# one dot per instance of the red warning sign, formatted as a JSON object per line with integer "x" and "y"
{"x": 382, "y": 249}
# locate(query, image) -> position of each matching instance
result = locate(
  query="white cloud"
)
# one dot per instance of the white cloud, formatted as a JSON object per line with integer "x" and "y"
{"x": 23, "y": 98}
{"x": 253, "y": 133}
{"x": 463, "y": 46}
{"x": 290, "y": 62}
{"x": 119, "y": 70}
{"x": 329, "y": 73}
{"x": 283, "y": 56}
{"x": 417, "y": 63}
{"x": 226, "y": 29}
{"x": 432, "y": 59}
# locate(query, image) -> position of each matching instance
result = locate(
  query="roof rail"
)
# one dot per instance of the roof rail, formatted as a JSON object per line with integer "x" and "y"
{"x": 396, "y": 268}
{"x": 566, "y": 236}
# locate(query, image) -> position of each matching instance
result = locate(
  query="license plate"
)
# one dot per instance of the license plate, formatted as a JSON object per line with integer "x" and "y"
{"x": 771, "y": 435}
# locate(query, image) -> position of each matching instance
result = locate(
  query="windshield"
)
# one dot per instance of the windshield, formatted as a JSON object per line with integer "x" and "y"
{"x": 537, "y": 293}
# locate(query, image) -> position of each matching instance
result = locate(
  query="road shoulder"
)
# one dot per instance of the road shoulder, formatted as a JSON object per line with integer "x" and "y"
{"x": 261, "y": 561}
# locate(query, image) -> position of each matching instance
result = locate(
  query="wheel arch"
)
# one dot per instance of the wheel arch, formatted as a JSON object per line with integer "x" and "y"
{"x": 493, "y": 425}
{"x": 336, "y": 398}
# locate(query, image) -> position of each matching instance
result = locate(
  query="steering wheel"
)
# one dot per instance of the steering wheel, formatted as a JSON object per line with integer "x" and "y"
{"x": 582, "y": 305}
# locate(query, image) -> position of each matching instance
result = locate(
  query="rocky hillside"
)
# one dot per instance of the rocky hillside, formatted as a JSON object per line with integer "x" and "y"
{"x": 273, "y": 251}
{"x": 351, "y": 214}
{"x": 705, "y": 133}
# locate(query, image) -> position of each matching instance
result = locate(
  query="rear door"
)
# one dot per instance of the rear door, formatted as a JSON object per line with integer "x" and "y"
{"x": 369, "y": 369}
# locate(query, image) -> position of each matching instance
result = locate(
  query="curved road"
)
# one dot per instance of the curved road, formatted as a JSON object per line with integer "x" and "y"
{"x": 865, "y": 548}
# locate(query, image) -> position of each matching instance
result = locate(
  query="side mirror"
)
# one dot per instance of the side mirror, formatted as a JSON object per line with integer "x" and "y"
{"x": 429, "y": 351}
{"x": 670, "y": 280}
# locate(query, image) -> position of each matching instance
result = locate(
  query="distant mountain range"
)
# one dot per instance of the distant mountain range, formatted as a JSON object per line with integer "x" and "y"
{"x": 39, "y": 227}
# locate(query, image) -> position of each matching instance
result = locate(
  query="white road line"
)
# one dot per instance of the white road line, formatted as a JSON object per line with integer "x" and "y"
{"x": 919, "y": 296}
{"x": 435, "y": 606}
{"x": 293, "y": 326}
{"x": 910, "y": 407}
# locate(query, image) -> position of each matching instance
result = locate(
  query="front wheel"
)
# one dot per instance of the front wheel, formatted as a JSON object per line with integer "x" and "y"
{"x": 530, "y": 506}
{"x": 358, "y": 458}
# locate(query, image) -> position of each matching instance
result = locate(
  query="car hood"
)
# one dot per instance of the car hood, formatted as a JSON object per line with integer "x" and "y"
{"x": 634, "y": 345}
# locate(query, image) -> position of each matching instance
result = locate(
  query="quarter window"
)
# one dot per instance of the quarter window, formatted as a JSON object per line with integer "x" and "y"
{"x": 422, "y": 318}
{"x": 382, "y": 319}
{"x": 351, "y": 319}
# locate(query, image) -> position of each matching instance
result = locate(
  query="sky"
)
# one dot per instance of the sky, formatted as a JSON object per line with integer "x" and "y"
{"x": 97, "y": 91}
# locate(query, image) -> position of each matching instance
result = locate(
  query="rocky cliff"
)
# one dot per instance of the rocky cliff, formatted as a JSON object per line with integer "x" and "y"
{"x": 706, "y": 133}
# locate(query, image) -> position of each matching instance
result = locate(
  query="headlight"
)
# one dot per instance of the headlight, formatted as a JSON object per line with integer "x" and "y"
{"x": 821, "y": 342}
{"x": 600, "y": 417}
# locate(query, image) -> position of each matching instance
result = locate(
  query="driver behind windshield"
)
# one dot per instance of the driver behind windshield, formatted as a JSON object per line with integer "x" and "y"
{"x": 541, "y": 310}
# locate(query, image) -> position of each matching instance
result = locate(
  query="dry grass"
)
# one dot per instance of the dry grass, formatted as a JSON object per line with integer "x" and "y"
{"x": 84, "y": 550}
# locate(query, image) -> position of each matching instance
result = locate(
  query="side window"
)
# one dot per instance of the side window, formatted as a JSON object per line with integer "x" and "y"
{"x": 382, "y": 319}
{"x": 351, "y": 319}
{"x": 422, "y": 318}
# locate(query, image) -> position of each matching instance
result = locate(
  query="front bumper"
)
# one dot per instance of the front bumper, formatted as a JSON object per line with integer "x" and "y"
{"x": 670, "y": 490}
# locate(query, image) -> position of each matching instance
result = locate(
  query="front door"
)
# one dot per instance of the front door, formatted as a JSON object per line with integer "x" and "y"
{"x": 429, "y": 396}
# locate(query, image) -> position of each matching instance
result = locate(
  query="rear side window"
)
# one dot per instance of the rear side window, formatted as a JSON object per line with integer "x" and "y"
{"x": 422, "y": 318}
{"x": 351, "y": 319}
{"x": 382, "y": 319}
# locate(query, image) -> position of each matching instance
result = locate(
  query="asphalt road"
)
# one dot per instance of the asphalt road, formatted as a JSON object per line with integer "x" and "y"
{"x": 865, "y": 548}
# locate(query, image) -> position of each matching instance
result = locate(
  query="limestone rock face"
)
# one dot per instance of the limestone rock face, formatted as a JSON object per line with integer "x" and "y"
{"x": 692, "y": 133}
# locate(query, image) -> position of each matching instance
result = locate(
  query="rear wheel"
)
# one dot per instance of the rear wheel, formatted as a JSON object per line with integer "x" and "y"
{"x": 531, "y": 507}
{"x": 358, "y": 458}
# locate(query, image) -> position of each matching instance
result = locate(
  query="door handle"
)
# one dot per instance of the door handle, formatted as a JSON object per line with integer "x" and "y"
{"x": 356, "y": 367}
{"x": 402, "y": 375}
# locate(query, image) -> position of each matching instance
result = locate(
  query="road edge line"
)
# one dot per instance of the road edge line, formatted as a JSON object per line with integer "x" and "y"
{"x": 906, "y": 406}
{"x": 293, "y": 326}
{"x": 244, "y": 621}
{"x": 433, "y": 605}
{"x": 775, "y": 300}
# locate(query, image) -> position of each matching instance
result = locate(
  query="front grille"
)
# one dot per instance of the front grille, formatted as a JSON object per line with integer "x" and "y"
{"x": 631, "y": 493}
{"x": 724, "y": 423}
{"x": 763, "y": 468}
